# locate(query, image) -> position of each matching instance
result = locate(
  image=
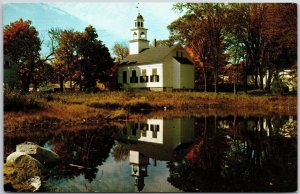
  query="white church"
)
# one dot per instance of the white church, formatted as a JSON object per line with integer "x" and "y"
{"x": 155, "y": 68}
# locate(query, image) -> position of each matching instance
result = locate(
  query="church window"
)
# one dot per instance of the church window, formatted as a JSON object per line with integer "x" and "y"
{"x": 134, "y": 78}
{"x": 144, "y": 128}
{"x": 124, "y": 77}
{"x": 154, "y": 71}
{"x": 154, "y": 77}
{"x": 144, "y": 72}
{"x": 144, "y": 77}
{"x": 143, "y": 36}
{"x": 142, "y": 24}
{"x": 134, "y": 35}
{"x": 133, "y": 73}
{"x": 151, "y": 127}
{"x": 138, "y": 24}
{"x": 154, "y": 134}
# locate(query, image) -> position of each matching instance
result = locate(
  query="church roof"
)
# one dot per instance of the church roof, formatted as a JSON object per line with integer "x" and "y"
{"x": 183, "y": 60}
{"x": 148, "y": 56}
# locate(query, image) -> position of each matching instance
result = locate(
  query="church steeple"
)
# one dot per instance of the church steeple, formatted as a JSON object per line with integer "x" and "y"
{"x": 138, "y": 40}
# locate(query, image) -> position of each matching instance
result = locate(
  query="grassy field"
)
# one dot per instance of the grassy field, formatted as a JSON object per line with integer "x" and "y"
{"x": 69, "y": 109}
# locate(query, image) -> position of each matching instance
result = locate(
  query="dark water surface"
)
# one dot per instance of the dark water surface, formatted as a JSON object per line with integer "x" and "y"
{"x": 207, "y": 154}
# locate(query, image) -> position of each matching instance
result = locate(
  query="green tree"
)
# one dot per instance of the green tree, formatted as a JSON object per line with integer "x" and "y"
{"x": 82, "y": 58}
{"x": 94, "y": 61}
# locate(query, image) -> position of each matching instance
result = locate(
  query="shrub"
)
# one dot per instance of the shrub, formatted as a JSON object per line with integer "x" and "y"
{"x": 278, "y": 87}
{"x": 15, "y": 101}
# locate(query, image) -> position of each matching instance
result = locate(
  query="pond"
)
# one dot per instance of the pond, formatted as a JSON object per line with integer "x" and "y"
{"x": 179, "y": 154}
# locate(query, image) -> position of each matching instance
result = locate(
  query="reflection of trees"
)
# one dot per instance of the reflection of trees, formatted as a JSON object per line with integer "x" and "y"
{"x": 120, "y": 152}
{"x": 258, "y": 158}
{"x": 85, "y": 148}
{"x": 201, "y": 170}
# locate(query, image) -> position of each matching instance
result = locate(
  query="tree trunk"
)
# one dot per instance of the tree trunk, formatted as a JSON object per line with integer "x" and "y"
{"x": 269, "y": 125}
{"x": 269, "y": 80}
{"x": 26, "y": 84}
{"x": 205, "y": 80}
{"x": 245, "y": 78}
{"x": 216, "y": 80}
{"x": 261, "y": 79}
{"x": 70, "y": 79}
{"x": 261, "y": 82}
{"x": 61, "y": 83}
{"x": 256, "y": 80}
{"x": 235, "y": 81}
{"x": 35, "y": 86}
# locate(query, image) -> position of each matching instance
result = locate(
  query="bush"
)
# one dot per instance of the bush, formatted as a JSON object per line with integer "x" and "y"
{"x": 278, "y": 87}
{"x": 15, "y": 101}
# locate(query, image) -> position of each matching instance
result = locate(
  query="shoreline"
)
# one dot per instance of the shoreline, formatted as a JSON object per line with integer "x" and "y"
{"x": 70, "y": 109}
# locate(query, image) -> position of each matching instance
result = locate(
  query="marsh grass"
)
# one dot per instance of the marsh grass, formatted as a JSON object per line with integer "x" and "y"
{"x": 15, "y": 101}
{"x": 156, "y": 100}
{"x": 52, "y": 110}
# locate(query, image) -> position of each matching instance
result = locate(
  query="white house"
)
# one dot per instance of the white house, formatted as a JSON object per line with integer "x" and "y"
{"x": 156, "y": 68}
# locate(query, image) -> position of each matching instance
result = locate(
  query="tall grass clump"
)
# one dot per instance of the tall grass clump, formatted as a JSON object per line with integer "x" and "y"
{"x": 15, "y": 101}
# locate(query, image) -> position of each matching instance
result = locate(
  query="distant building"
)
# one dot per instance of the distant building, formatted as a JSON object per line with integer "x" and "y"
{"x": 10, "y": 72}
{"x": 155, "y": 68}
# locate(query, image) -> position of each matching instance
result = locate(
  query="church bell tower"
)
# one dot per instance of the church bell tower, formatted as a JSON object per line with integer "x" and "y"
{"x": 138, "y": 40}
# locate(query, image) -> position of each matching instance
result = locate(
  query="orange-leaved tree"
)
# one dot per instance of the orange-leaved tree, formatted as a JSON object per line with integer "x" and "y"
{"x": 22, "y": 45}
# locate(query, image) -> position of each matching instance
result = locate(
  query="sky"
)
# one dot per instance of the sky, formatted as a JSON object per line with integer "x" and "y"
{"x": 112, "y": 21}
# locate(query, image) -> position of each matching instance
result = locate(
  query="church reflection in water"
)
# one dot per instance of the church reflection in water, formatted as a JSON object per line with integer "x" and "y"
{"x": 156, "y": 139}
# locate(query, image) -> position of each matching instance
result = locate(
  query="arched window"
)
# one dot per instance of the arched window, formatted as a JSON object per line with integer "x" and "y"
{"x": 134, "y": 35}
{"x": 142, "y": 24}
{"x": 142, "y": 35}
{"x": 138, "y": 24}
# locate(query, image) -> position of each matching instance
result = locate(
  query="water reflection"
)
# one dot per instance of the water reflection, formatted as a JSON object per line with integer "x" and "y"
{"x": 206, "y": 154}
{"x": 237, "y": 154}
{"x": 156, "y": 139}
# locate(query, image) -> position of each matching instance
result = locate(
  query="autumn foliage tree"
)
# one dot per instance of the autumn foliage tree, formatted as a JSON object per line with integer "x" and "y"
{"x": 280, "y": 32}
{"x": 260, "y": 36}
{"x": 120, "y": 50}
{"x": 200, "y": 28}
{"x": 22, "y": 45}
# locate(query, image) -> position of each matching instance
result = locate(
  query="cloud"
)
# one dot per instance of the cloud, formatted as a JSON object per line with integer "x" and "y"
{"x": 116, "y": 19}
{"x": 112, "y": 21}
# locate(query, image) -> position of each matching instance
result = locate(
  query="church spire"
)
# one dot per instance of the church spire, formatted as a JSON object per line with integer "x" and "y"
{"x": 138, "y": 40}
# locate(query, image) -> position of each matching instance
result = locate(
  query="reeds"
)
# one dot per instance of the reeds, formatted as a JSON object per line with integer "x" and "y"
{"x": 40, "y": 111}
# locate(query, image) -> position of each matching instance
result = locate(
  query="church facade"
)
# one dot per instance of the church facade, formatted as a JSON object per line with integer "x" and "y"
{"x": 155, "y": 68}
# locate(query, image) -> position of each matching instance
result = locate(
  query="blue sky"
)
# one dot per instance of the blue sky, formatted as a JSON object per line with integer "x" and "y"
{"x": 112, "y": 21}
